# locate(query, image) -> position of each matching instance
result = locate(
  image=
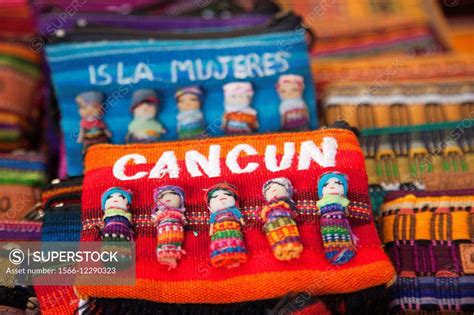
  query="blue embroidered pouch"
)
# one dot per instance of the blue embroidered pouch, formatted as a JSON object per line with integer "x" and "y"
{"x": 154, "y": 90}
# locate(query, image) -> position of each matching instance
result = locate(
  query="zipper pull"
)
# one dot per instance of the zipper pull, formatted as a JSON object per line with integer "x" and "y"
{"x": 60, "y": 33}
{"x": 81, "y": 22}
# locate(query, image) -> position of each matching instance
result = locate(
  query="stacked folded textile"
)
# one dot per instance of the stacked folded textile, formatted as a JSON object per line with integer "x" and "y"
{"x": 353, "y": 28}
{"x": 428, "y": 236}
{"x": 61, "y": 201}
{"x": 19, "y": 108}
{"x": 17, "y": 21}
{"x": 21, "y": 176}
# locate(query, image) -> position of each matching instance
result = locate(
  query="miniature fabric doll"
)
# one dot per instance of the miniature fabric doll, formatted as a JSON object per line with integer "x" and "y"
{"x": 170, "y": 220}
{"x": 278, "y": 217}
{"x": 227, "y": 241}
{"x": 338, "y": 241}
{"x": 117, "y": 219}
{"x": 239, "y": 117}
{"x": 293, "y": 109}
{"x": 144, "y": 128}
{"x": 93, "y": 129}
{"x": 190, "y": 118}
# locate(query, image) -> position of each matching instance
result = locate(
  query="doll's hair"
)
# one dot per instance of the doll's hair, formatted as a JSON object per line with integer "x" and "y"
{"x": 323, "y": 179}
{"x": 124, "y": 192}
{"x": 169, "y": 188}
{"x": 291, "y": 78}
{"x": 283, "y": 181}
{"x": 194, "y": 90}
{"x": 222, "y": 186}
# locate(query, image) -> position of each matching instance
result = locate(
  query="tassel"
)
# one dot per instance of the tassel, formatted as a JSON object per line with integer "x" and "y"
{"x": 226, "y": 221}
{"x": 279, "y": 226}
{"x": 170, "y": 220}
{"x": 117, "y": 231}
{"x": 338, "y": 239}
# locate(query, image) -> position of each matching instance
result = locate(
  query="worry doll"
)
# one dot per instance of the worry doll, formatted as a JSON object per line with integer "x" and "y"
{"x": 278, "y": 217}
{"x": 338, "y": 241}
{"x": 93, "y": 129}
{"x": 144, "y": 128}
{"x": 239, "y": 117}
{"x": 226, "y": 221}
{"x": 170, "y": 219}
{"x": 293, "y": 109}
{"x": 117, "y": 219}
{"x": 190, "y": 118}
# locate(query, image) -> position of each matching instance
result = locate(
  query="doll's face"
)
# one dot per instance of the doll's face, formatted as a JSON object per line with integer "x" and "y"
{"x": 333, "y": 187}
{"x": 145, "y": 110}
{"x": 289, "y": 90}
{"x": 221, "y": 199}
{"x": 170, "y": 198}
{"x": 188, "y": 102}
{"x": 116, "y": 200}
{"x": 238, "y": 100}
{"x": 90, "y": 111}
{"x": 275, "y": 190}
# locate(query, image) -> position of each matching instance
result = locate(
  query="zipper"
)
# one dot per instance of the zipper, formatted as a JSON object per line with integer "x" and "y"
{"x": 280, "y": 23}
{"x": 147, "y": 23}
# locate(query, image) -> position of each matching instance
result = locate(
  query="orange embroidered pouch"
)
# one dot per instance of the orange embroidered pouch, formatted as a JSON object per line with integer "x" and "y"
{"x": 288, "y": 212}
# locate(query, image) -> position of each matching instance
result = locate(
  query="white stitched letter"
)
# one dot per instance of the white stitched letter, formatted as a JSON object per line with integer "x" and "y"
{"x": 166, "y": 164}
{"x": 119, "y": 167}
{"x": 233, "y": 155}
{"x": 310, "y": 152}
{"x": 211, "y": 166}
{"x": 286, "y": 160}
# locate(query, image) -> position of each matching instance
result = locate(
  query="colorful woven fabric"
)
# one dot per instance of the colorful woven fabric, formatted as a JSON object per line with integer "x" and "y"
{"x": 170, "y": 221}
{"x": 386, "y": 70}
{"x": 20, "y": 168}
{"x": 61, "y": 222}
{"x": 77, "y": 68}
{"x": 428, "y": 236}
{"x": 19, "y": 101}
{"x": 350, "y": 28}
{"x": 381, "y": 105}
{"x": 246, "y": 162}
{"x": 226, "y": 221}
{"x": 278, "y": 217}
{"x": 20, "y": 230}
{"x": 435, "y": 156}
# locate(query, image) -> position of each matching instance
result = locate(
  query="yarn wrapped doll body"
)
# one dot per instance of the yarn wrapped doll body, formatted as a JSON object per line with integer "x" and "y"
{"x": 144, "y": 128}
{"x": 239, "y": 117}
{"x": 170, "y": 220}
{"x": 278, "y": 217}
{"x": 338, "y": 241}
{"x": 190, "y": 118}
{"x": 92, "y": 129}
{"x": 117, "y": 219}
{"x": 293, "y": 109}
{"x": 227, "y": 240}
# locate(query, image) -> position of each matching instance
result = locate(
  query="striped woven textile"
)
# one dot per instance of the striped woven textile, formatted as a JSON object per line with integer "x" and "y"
{"x": 429, "y": 238}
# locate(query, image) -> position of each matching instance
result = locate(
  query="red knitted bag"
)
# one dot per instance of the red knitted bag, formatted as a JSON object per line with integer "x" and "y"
{"x": 242, "y": 165}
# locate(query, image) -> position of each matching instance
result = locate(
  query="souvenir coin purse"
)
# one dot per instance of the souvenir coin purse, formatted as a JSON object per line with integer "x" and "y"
{"x": 142, "y": 91}
{"x": 233, "y": 219}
